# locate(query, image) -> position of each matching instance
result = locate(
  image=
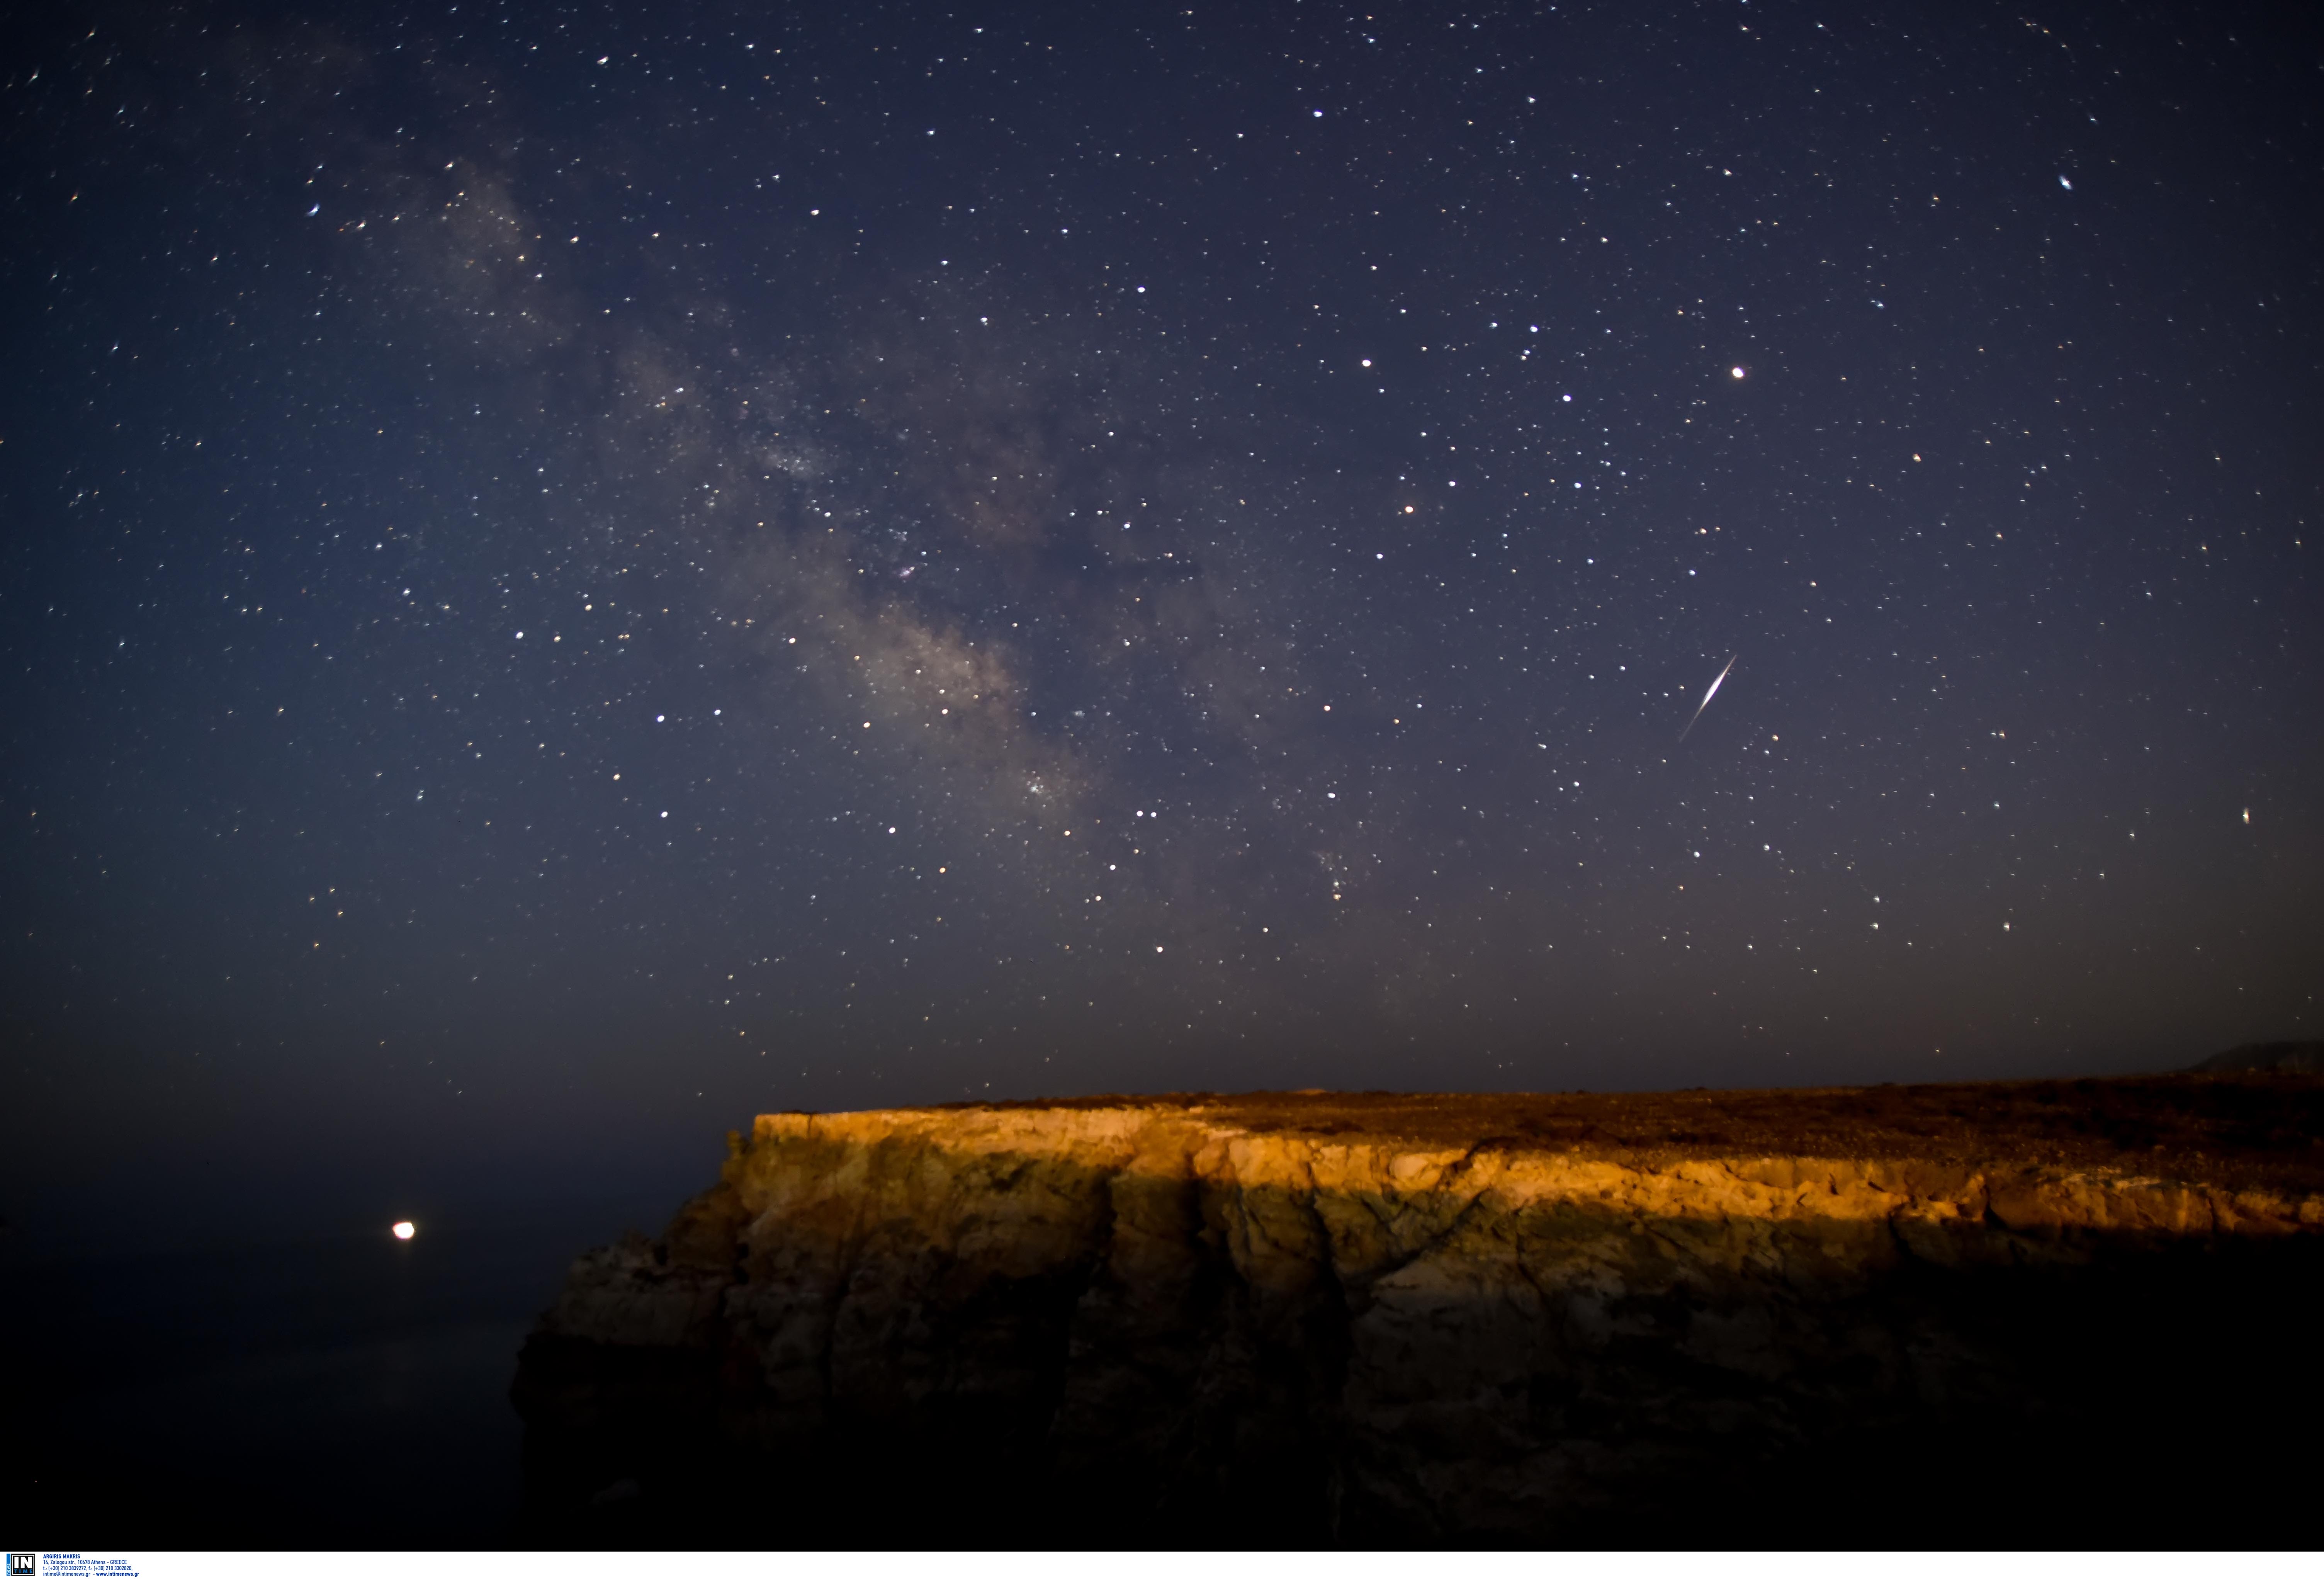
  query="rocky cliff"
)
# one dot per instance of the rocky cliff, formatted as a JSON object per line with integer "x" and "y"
{"x": 1314, "y": 1316}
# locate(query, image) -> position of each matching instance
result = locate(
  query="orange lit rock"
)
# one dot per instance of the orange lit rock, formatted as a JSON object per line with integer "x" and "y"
{"x": 1419, "y": 1317}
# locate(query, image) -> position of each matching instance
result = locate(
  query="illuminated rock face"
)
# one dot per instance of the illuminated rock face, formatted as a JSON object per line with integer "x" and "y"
{"x": 1389, "y": 1320}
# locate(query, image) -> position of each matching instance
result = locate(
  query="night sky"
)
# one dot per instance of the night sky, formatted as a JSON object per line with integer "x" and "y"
{"x": 572, "y": 574}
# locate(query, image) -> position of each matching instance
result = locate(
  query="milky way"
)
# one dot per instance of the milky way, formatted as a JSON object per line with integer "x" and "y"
{"x": 887, "y": 557}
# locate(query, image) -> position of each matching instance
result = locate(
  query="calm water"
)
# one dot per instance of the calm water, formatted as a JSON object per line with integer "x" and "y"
{"x": 340, "y": 1390}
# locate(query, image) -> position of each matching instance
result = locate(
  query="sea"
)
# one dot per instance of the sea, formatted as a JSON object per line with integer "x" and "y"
{"x": 333, "y": 1387}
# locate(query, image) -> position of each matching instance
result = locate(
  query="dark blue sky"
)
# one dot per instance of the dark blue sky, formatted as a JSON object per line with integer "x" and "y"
{"x": 592, "y": 570}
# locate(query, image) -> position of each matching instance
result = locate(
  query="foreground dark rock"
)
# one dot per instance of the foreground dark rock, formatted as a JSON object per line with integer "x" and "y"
{"x": 1902, "y": 1315}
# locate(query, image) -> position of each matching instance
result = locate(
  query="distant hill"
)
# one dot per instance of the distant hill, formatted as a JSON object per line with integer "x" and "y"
{"x": 2282, "y": 1057}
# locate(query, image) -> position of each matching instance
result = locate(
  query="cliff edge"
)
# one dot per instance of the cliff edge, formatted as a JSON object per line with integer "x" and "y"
{"x": 1385, "y": 1317}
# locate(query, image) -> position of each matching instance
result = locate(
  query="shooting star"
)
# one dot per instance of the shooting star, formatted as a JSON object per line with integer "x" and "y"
{"x": 1706, "y": 699}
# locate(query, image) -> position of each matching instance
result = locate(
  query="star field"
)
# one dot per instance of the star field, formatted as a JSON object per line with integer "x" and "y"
{"x": 607, "y": 558}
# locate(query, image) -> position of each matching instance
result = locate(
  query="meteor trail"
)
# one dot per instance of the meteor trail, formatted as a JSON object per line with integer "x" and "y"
{"x": 1706, "y": 699}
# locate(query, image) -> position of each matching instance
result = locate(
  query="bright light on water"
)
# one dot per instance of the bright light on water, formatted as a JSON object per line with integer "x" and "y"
{"x": 403, "y": 1230}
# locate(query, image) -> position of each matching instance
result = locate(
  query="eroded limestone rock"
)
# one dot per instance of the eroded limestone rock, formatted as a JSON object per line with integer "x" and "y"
{"x": 1433, "y": 1326}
